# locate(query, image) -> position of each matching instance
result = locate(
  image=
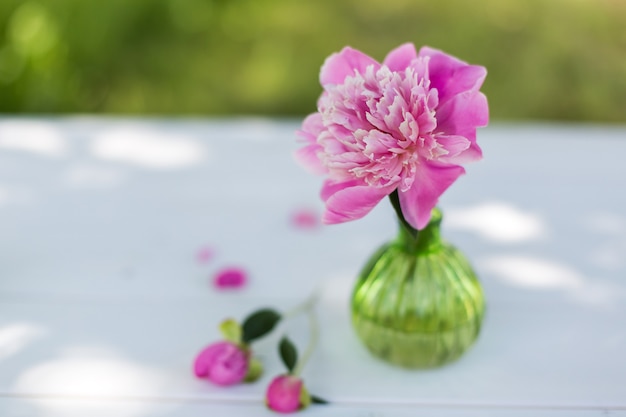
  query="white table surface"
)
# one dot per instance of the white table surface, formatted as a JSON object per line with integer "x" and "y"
{"x": 103, "y": 304}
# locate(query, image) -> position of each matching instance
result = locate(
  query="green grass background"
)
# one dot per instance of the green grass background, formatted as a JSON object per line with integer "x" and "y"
{"x": 547, "y": 59}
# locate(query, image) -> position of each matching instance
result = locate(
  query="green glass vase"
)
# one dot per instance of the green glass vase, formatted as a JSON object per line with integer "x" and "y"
{"x": 417, "y": 302}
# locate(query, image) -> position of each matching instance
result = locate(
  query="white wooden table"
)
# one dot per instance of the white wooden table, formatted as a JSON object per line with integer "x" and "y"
{"x": 103, "y": 304}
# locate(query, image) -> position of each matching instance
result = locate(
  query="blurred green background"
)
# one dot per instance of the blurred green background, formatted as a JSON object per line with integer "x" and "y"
{"x": 547, "y": 59}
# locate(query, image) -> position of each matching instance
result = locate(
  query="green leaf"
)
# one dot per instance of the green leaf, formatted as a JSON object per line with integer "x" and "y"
{"x": 259, "y": 323}
{"x": 288, "y": 353}
{"x": 317, "y": 400}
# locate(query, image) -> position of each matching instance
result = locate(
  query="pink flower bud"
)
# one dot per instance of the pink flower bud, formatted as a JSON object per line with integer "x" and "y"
{"x": 223, "y": 363}
{"x": 286, "y": 394}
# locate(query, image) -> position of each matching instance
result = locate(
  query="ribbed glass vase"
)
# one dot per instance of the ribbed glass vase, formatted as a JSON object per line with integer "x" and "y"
{"x": 417, "y": 302}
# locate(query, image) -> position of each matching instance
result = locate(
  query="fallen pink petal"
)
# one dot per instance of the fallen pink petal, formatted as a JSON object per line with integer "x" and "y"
{"x": 230, "y": 278}
{"x": 305, "y": 219}
{"x": 205, "y": 254}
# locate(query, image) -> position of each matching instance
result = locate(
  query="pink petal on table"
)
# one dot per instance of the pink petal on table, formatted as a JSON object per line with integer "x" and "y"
{"x": 230, "y": 278}
{"x": 305, "y": 219}
{"x": 205, "y": 254}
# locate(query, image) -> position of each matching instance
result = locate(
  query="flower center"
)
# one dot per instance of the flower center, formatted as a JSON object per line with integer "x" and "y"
{"x": 380, "y": 125}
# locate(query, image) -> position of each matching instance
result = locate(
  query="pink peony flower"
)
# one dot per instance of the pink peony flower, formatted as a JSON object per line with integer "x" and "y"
{"x": 405, "y": 125}
{"x": 224, "y": 363}
{"x": 286, "y": 394}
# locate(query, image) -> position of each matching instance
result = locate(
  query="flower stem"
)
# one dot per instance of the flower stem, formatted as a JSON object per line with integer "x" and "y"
{"x": 395, "y": 202}
{"x": 304, "y": 306}
{"x": 314, "y": 329}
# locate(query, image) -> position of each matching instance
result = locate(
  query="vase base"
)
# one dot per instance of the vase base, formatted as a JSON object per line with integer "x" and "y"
{"x": 416, "y": 350}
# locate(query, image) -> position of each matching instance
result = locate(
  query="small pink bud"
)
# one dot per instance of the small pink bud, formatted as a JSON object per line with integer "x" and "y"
{"x": 285, "y": 394}
{"x": 223, "y": 363}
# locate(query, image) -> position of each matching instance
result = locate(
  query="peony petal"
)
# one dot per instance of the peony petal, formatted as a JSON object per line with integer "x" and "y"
{"x": 345, "y": 202}
{"x": 463, "y": 114}
{"x": 400, "y": 58}
{"x": 230, "y": 278}
{"x": 340, "y": 65}
{"x": 471, "y": 154}
{"x": 305, "y": 219}
{"x": 205, "y": 254}
{"x": 312, "y": 126}
{"x": 430, "y": 182}
{"x": 307, "y": 157}
{"x": 329, "y": 188}
{"x": 457, "y": 147}
{"x": 451, "y": 76}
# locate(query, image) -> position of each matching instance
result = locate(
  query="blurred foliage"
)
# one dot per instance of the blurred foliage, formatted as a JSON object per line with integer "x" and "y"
{"x": 547, "y": 59}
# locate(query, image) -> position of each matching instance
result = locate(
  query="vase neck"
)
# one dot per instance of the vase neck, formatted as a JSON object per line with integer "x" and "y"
{"x": 420, "y": 241}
